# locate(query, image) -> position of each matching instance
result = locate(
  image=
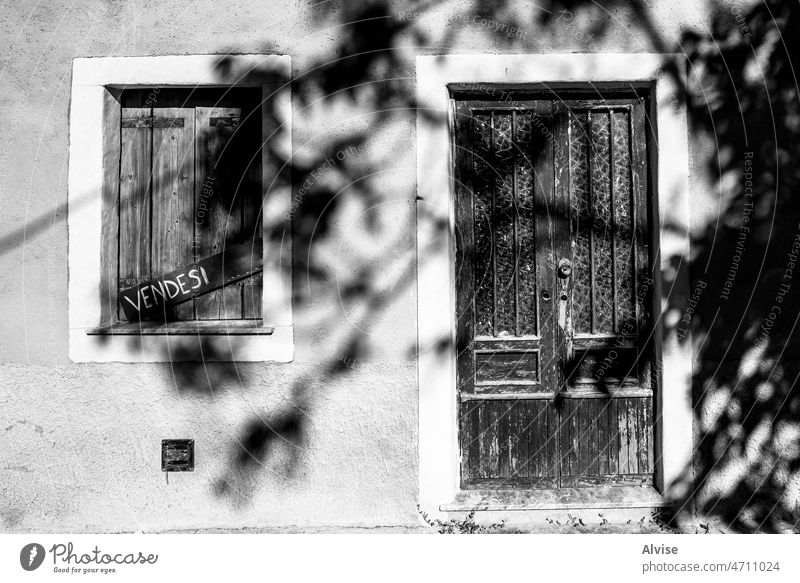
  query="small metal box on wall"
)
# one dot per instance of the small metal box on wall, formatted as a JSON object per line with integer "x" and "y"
{"x": 177, "y": 455}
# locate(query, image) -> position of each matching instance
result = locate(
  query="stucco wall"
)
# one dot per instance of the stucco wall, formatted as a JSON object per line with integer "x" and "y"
{"x": 80, "y": 441}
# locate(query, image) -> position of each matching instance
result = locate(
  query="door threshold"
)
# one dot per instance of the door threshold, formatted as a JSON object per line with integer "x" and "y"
{"x": 557, "y": 499}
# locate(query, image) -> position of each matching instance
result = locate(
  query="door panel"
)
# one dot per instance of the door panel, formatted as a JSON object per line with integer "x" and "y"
{"x": 553, "y": 353}
{"x": 512, "y": 443}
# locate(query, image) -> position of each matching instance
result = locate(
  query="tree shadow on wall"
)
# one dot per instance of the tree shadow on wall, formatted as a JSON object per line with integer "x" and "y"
{"x": 743, "y": 107}
{"x": 744, "y": 306}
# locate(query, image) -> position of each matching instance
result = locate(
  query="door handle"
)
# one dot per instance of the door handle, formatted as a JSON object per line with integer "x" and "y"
{"x": 564, "y": 273}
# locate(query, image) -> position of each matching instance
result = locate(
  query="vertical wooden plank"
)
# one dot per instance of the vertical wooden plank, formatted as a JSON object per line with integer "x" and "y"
{"x": 493, "y": 433}
{"x": 468, "y": 423}
{"x": 639, "y": 194}
{"x": 503, "y": 438}
{"x": 134, "y": 200}
{"x": 650, "y": 432}
{"x": 538, "y": 453}
{"x": 482, "y": 438}
{"x": 519, "y": 444}
{"x": 565, "y": 443}
{"x": 562, "y": 458}
{"x": 173, "y": 198}
{"x": 546, "y": 216}
{"x": 604, "y": 436}
{"x": 583, "y": 413}
{"x": 574, "y": 434}
{"x": 251, "y": 200}
{"x": 600, "y": 432}
{"x": 529, "y": 423}
{"x": 594, "y": 449}
{"x": 613, "y": 437}
{"x": 217, "y": 205}
{"x": 109, "y": 230}
{"x": 473, "y": 439}
{"x": 643, "y": 434}
{"x": 633, "y": 435}
{"x": 465, "y": 247}
{"x": 550, "y": 425}
{"x": 622, "y": 423}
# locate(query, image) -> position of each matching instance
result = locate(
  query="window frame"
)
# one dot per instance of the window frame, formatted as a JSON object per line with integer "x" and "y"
{"x": 94, "y": 150}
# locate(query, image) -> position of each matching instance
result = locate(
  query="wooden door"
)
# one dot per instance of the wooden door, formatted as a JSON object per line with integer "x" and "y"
{"x": 554, "y": 361}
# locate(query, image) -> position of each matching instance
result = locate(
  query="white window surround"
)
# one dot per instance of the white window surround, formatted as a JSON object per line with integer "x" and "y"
{"x": 91, "y": 80}
{"x": 438, "y": 431}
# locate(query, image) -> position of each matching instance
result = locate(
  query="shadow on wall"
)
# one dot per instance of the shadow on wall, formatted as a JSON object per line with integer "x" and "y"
{"x": 743, "y": 100}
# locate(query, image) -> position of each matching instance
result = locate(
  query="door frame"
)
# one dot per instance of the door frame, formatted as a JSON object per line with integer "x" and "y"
{"x": 437, "y": 78}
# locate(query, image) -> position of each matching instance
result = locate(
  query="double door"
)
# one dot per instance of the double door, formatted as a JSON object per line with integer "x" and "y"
{"x": 554, "y": 291}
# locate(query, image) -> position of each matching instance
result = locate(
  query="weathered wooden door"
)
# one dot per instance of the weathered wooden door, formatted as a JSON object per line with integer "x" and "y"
{"x": 554, "y": 358}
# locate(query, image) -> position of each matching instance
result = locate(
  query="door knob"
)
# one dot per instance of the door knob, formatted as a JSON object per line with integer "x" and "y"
{"x": 564, "y": 268}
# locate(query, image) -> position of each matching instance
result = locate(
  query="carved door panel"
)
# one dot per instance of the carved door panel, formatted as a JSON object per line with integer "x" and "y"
{"x": 553, "y": 332}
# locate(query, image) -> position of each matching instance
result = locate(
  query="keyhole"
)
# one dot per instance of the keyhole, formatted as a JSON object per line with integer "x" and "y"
{"x": 546, "y": 296}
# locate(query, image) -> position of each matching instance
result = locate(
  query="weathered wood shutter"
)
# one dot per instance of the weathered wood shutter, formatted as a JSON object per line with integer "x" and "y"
{"x": 189, "y": 187}
{"x": 553, "y": 372}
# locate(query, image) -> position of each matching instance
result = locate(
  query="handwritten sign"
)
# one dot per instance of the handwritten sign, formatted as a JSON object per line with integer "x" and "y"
{"x": 153, "y": 297}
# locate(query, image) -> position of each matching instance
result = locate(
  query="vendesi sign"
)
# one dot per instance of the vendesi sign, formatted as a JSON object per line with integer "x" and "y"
{"x": 154, "y": 296}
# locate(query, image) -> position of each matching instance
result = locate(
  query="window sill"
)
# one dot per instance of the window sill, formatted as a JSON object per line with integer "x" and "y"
{"x": 222, "y": 341}
{"x": 193, "y": 328}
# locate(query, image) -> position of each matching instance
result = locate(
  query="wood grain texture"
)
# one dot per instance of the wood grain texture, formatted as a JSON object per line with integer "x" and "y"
{"x": 251, "y": 201}
{"x": 465, "y": 248}
{"x": 541, "y": 182}
{"x": 216, "y": 185}
{"x": 109, "y": 230}
{"x": 173, "y": 199}
{"x": 134, "y": 200}
{"x": 506, "y": 366}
